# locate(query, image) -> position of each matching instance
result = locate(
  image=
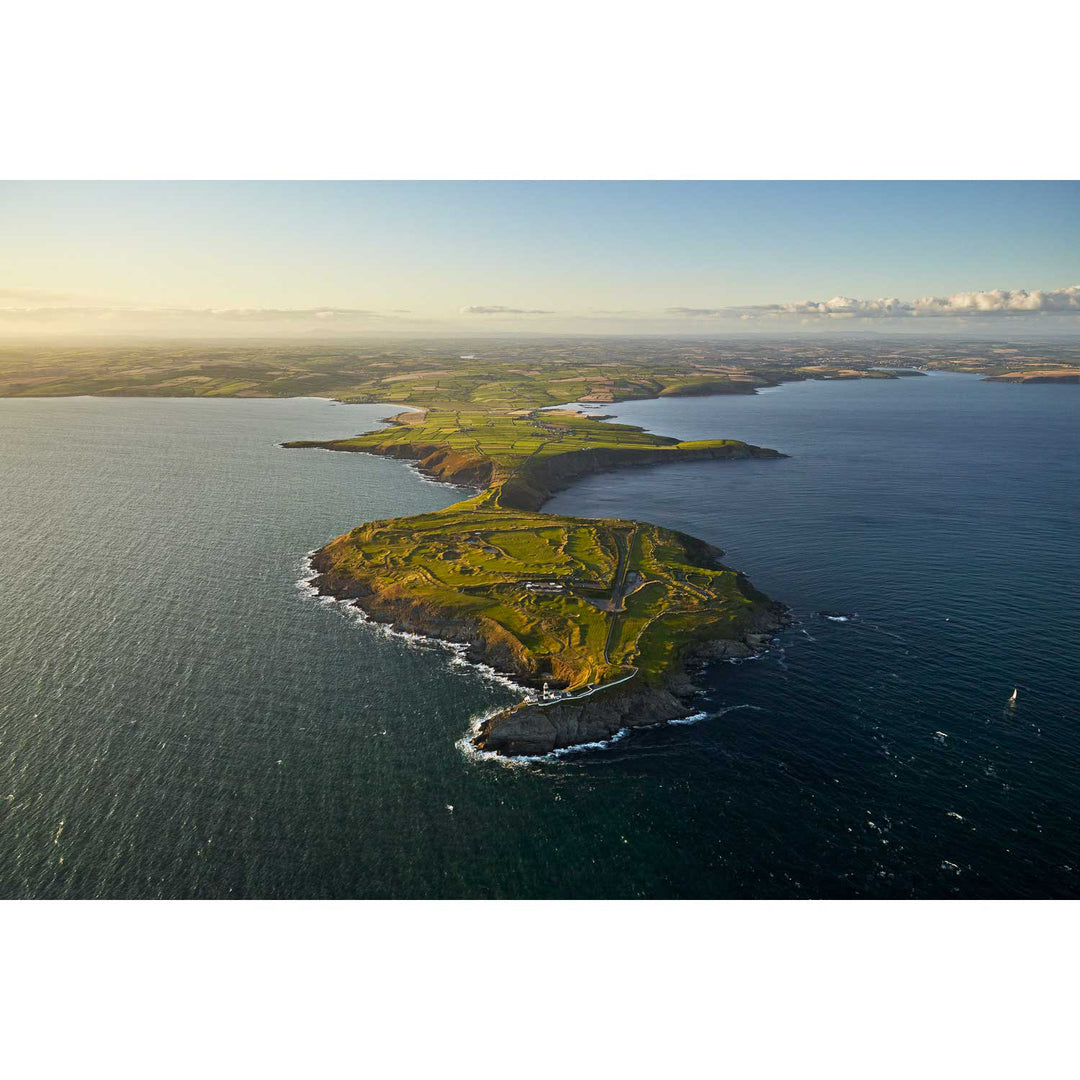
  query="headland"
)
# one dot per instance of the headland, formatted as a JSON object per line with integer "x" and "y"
{"x": 596, "y": 616}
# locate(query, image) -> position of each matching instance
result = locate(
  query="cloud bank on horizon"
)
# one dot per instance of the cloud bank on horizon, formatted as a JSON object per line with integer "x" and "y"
{"x": 30, "y": 311}
{"x": 1008, "y": 302}
{"x": 498, "y": 309}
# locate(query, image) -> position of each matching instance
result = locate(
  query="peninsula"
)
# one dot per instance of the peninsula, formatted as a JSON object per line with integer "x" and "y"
{"x": 1029, "y": 376}
{"x": 602, "y": 611}
{"x": 595, "y": 616}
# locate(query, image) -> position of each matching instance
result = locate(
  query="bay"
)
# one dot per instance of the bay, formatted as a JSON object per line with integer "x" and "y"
{"x": 179, "y": 719}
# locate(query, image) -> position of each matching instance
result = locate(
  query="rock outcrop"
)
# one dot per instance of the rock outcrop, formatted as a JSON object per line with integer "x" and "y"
{"x": 531, "y": 730}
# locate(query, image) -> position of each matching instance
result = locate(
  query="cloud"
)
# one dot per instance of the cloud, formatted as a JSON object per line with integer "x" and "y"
{"x": 272, "y": 314}
{"x": 259, "y": 315}
{"x": 196, "y": 322}
{"x": 34, "y": 296}
{"x": 498, "y": 309}
{"x": 992, "y": 302}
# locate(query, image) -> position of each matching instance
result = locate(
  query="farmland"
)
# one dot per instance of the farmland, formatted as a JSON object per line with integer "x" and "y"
{"x": 494, "y": 372}
{"x": 576, "y": 603}
{"x": 573, "y": 601}
{"x": 490, "y": 373}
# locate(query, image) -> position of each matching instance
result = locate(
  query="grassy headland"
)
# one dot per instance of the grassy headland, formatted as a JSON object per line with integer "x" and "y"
{"x": 603, "y": 611}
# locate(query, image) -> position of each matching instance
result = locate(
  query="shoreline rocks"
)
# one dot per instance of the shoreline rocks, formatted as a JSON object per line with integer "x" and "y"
{"x": 528, "y": 730}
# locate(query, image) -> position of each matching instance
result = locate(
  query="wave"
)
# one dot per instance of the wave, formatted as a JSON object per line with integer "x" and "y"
{"x": 693, "y": 719}
{"x": 352, "y": 609}
{"x": 472, "y": 752}
{"x": 414, "y": 468}
{"x": 468, "y": 748}
{"x": 699, "y": 716}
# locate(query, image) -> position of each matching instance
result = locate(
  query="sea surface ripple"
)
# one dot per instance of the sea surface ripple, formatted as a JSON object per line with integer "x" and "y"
{"x": 178, "y": 719}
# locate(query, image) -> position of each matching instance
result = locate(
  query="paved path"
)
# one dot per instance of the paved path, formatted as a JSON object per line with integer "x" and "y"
{"x": 585, "y": 693}
{"x": 626, "y": 547}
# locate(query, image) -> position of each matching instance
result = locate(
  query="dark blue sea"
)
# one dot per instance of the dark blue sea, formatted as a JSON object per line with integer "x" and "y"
{"x": 179, "y": 719}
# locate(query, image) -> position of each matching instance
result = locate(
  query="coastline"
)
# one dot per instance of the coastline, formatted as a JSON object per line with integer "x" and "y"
{"x": 594, "y": 710}
{"x": 306, "y": 584}
{"x": 599, "y": 731}
{"x": 527, "y": 730}
{"x": 606, "y": 711}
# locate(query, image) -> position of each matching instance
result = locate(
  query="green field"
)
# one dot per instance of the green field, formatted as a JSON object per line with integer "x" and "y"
{"x": 501, "y": 450}
{"x": 629, "y": 597}
{"x": 492, "y": 374}
{"x": 570, "y": 601}
{"x": 615, "y": 597}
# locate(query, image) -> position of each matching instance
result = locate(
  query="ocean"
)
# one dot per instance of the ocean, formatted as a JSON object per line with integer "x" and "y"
{"x": 178, "y": 718}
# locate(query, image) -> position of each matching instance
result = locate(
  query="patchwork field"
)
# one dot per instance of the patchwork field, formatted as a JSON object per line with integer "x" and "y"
{"x": 491, "y": 373}
{"x": 582, "y": 605}
{"x": 575, "y": 603}
{"x": 572, "y": 601}
{"x": 585, "y": 606}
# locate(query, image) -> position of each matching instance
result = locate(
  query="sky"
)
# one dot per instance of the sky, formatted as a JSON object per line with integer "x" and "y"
{"x": 302, "y": 259}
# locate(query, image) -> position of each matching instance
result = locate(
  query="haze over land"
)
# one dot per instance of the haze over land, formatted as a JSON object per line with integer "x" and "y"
{"x": 334, "y": 260}
{"x": 426, "y": 371}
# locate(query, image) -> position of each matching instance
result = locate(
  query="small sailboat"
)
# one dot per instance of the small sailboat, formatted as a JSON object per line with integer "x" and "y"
{"x": 1012, "y": 700}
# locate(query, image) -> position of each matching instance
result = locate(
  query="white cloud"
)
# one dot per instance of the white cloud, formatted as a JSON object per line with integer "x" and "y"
{"x": 260, "y": 315}
{"x": 196, "y": 322}
{"x": 498, "y": 309}
{"x": 34, "y": 296}
{"x": 999, "y": 302}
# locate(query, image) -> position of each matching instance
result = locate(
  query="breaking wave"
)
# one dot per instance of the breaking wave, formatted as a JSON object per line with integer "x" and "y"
{"x": 350, "y": 608}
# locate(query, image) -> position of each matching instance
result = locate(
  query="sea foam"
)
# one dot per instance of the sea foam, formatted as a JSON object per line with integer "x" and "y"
{"x": 351, "y": 609}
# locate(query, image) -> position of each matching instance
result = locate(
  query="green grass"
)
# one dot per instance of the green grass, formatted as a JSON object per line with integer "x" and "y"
{"x": 470, "y": 564}
{"x": 500, "y": 446}
{"x": 511, "y": 373}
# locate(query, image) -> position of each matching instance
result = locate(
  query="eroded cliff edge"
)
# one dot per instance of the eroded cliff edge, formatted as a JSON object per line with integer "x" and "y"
{"x": 598, "y": 617}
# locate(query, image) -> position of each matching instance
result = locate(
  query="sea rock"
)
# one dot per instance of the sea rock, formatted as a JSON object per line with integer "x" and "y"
{"x": 530, "y": 730}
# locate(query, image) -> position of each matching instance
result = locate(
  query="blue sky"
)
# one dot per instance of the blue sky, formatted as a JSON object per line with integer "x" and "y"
{"x": 591, "y": 257}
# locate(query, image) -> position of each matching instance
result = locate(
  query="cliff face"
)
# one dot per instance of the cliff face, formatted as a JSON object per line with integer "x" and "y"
{"x": 532, "y": 730}
{"x": 486, "y": 641}
{"x": 438, "y": 462}
{"x": 1070, "y": 375}
{"x": 532, "y": 485}
{"x": 531, "y": 488}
